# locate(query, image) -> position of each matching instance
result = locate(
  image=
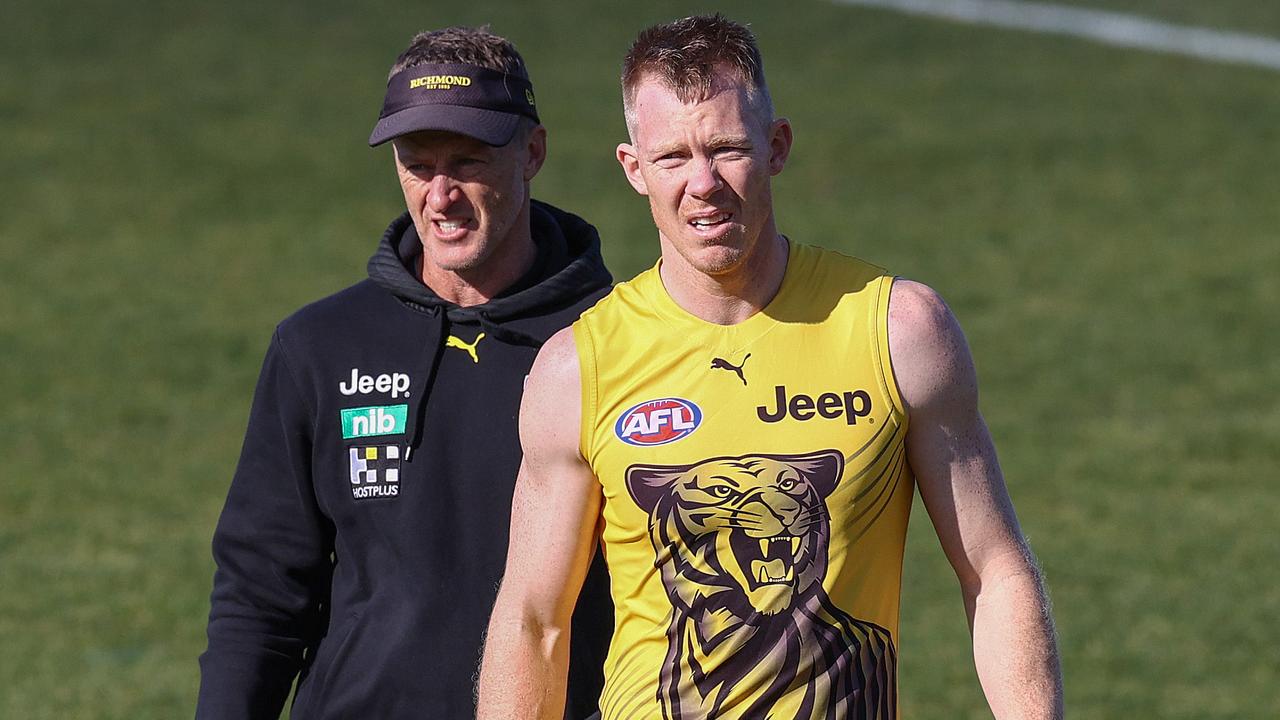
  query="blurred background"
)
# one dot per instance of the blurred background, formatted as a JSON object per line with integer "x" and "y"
{"x": 176, "y": 178}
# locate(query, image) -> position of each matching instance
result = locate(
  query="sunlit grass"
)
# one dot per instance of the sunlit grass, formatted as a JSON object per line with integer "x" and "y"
{"x": 1103, "y": 222}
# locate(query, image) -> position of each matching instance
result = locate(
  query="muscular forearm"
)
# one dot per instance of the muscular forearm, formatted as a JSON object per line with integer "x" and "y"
{"x": 523, "y": 673}
{"x": 1014, "y": 645}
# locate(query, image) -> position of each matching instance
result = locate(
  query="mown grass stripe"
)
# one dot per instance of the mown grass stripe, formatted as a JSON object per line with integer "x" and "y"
{"x": 1111, "y": 28}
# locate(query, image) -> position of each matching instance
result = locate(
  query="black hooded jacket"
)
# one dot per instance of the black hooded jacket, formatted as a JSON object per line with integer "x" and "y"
{"x": 365, "y": 532}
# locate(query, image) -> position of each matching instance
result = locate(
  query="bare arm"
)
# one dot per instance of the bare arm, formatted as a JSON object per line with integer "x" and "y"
{"x": 553, "y": 531}
{"x": 954, "y": 460}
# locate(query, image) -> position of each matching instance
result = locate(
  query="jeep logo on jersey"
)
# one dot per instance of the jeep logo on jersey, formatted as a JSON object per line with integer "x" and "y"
{"x": 370, "y": 421}
{"x": 658, "y": 422}
{"x": 394, "y": 383}
{"x": 850, "y": 405}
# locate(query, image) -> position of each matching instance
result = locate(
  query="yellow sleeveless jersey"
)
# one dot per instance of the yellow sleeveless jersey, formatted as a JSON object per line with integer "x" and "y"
{"x": 756, "y": 496}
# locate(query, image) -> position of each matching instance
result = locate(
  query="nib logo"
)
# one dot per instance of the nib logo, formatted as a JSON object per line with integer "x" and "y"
{"x": 371, "y": 421}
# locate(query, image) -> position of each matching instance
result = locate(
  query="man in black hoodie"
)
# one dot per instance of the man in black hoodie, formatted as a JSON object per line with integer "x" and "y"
{"x": 365, "y": 530}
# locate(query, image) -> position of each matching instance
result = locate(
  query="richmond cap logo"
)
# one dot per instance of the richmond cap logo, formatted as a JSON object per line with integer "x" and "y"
{"x": 658, "y": 422}
{"x": 439, "y": 82}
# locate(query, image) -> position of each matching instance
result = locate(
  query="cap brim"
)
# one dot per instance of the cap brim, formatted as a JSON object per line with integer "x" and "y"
{"x": 487, "y": 126}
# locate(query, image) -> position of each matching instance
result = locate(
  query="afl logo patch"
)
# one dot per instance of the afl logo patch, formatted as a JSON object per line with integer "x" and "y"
{"x": 658, "y": 422}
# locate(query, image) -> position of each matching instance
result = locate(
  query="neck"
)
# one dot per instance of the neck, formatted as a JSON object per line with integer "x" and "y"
{"x": 732, "y": 296}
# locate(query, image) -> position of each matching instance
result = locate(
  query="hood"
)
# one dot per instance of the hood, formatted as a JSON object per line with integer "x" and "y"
{"x": 567, "y": 269}
{"x": 568, "y": 266}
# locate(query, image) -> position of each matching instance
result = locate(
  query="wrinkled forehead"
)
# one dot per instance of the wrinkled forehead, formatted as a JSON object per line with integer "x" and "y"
{"x": 659, "y": 110}
{"x": 658, "y": 115}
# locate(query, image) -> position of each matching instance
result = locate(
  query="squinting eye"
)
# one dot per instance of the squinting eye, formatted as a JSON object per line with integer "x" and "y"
{"x": 722, "y": 491}
{"x": 788, "y": 484}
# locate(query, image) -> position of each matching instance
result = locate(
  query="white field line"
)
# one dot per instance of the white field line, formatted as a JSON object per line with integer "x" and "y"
{"x": 1110, "y": 28}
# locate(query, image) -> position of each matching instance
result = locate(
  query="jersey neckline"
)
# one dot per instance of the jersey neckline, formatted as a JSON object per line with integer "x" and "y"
{"x": 668, "y": 307}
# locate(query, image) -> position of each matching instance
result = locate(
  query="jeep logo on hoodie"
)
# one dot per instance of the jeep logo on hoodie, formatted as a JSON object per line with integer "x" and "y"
{"x": 394, "y": 383}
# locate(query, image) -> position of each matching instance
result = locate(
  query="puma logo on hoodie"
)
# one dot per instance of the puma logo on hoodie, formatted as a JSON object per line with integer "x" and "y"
{"x": 456, "y": 342}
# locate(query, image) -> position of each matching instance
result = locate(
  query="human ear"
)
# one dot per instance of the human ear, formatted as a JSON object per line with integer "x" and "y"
{"x": 629, "y": 158}
{"x": 537, "y": 152}
{"x": 779, "y": 144}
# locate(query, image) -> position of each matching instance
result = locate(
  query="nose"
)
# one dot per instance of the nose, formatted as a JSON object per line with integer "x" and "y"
{"x": 704, "y": 180}
{"x": 441, "y": 193}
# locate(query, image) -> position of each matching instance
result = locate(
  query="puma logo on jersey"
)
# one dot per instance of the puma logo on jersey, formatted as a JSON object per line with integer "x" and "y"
{"x": 456, "y": 342}
{"x": 722, "y": 364}
{"x": 851, "y": 405}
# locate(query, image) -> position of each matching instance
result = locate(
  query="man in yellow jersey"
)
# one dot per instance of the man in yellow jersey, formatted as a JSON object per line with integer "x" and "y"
{"x": 743, "y": 427}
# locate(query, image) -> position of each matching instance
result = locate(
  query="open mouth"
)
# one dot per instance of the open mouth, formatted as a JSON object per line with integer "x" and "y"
{"x": 450, "y": 229}
{"x": 710, "y": 222}
{"x": 768, "y": 560}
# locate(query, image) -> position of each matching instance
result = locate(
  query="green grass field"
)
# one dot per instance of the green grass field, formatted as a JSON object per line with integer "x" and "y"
{"x": 1104, "y": 222}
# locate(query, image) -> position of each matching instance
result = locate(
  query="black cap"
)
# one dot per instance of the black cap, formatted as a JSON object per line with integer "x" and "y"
{"x": 466, "y": 99}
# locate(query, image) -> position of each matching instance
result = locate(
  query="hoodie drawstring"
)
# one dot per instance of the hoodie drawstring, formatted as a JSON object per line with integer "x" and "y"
{"x": 418, "y": 417}
{"x": 509, "y": 335}
{"x": 442, "y": 321}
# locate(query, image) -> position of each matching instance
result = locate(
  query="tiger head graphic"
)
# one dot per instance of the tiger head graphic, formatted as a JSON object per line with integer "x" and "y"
{"x": 741, "y": 543}
{"x": 753, "y": 529}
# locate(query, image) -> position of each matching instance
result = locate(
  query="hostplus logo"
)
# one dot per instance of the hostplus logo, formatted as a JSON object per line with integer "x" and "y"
{"x": 375, "y": 471}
